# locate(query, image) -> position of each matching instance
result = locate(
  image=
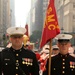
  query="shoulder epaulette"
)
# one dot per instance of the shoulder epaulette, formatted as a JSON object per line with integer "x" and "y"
{"x": 6, "y": 49}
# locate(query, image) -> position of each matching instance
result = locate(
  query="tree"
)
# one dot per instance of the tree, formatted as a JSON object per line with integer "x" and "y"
{"x": 4, "y": 36}
{"x": 35, "y": 37}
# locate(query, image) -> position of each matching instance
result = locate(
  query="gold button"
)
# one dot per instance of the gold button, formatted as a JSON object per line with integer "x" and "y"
{"x": 71, "y": 69}
{"x": 16, "y": 54}
{"x": 16, "y": 60}
{"x": 31, "y": 64}
{"x": 63, "y": 71}
{"x": 63, "y": 63}
{"x": 63, "y": 59}
{"x": 16, "y": 67}
{"x": 54, "y": 69}
{"x": 23, "y": 62}
{"x": 63, "y": 67}
{"x": 73, "y": 66}
{"x": 26, "y": 62}
{"x": 70, "y": 66}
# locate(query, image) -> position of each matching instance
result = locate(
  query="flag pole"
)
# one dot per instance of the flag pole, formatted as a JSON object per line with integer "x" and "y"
{"x": 50, "y": 51}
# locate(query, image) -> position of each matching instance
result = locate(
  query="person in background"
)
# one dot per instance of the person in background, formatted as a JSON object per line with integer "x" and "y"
{"x": 26, "y": 42}
{"x": 37, "y": 54}
{"x": 9, "y": 45}
{"x": 26, "y": 46}
{"x": 44, "y": 54}
{"x": 63, "y": 63}
{"x": 16, "y": 60}
{"x": 71, "y": 50}
{"x": 55, "y": 50}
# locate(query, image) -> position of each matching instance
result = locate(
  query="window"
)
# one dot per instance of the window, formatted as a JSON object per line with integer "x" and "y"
{"x": 74, "y": 17}
{"x": 73, "y": 5}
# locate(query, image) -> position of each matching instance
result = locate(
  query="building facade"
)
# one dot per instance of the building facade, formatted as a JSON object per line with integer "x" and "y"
{"x": 12, "y": 12}
{"x": 38, "y": 9}
{"x": 4, "y": 18}
{"x": 65, "y": 10}
{"x": 66, "y": 16}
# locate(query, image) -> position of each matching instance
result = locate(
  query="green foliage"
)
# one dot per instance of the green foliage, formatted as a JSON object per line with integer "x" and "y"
{"x": 35, "y": 38}
{"x": 4, "y": 36}
{"x": 35, "y": 35}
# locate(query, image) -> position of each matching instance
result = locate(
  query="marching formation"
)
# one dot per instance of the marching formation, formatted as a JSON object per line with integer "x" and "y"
{"x": 20, "y": 58}
{"x": 17, "y": 59}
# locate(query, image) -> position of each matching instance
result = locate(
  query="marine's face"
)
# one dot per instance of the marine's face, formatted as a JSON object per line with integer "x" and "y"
{"x": 63, "y": 47}
{"x": 16, "y": 41}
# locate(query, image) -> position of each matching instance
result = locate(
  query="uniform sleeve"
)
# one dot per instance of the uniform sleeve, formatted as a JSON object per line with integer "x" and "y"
{"x": 0, "y": 65}
{"x": 35, "y": 67}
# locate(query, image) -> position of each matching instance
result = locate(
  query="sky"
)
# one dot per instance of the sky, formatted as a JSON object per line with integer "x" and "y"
{"x": 22, "y": 8}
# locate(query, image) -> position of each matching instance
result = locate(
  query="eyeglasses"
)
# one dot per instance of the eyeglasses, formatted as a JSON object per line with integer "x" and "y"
{"x": 64, "y": 43}
{"x": 15, "y": 37}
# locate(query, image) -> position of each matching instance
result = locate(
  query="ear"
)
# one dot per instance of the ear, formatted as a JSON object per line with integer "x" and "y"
{"x": 69, "y": 44}
{"x": 58, "y": 44}
{"x": 10, "y": 39}
{"x": 23, "y": 38}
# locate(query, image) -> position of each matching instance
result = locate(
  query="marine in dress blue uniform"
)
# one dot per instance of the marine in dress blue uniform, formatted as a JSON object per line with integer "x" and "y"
{"x": 63, "y": 63}
{"x": 16, "y": 60}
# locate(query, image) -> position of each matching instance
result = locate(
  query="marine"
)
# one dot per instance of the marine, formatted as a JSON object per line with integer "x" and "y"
{"x": 62, "y": 63}
{"x": 16, "y": 60}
